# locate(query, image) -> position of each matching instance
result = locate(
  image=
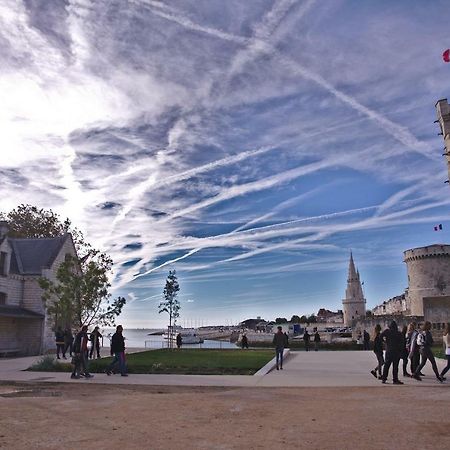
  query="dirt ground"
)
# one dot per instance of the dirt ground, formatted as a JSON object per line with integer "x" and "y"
{"x": 70, "y": 416}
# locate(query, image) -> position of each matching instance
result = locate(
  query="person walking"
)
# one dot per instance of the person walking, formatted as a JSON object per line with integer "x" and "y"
{"x": 59, "y": 339}
{"x": 446, "y": 339}
{"x": 412, "y": 347}
{"x": 244, "y": 341}
{"x": 68, "y": 341}
{"x": 179, "y": 340}
{"x": 394, "y": 344}
{"x": 118, "y": 350}
{"x": 425, "y": 341}
{"x": 366, "y": 340}
{"x": 316, "y": 341}
{"x": 95, "y": 339}
{"x": 279, "y": 341}
{"x": 378, "y": 350}
{"x": 405, "y": 353}
{"x": 80, "y": 348}
{"x": 306, "y": 339}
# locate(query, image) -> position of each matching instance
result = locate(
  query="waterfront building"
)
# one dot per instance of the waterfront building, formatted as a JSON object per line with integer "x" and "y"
{"x": 25, "y": 327}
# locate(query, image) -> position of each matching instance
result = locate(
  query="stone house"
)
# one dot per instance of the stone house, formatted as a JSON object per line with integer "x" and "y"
{"x": 25, "y": 328}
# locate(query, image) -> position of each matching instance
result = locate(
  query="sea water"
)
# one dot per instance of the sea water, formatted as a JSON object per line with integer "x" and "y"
{"x": 143, "y": 338}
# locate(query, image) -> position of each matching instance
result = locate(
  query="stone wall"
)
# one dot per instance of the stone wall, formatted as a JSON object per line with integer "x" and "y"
{"x": 369, "y": 323}
{"x": 9, "y": 338}
{"x": 428, "y": 274}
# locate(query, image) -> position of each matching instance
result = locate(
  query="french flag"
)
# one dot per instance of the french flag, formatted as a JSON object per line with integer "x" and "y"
{"x": 438, "y": 227}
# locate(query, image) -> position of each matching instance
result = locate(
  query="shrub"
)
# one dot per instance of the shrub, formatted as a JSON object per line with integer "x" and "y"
{"x": 48, "y": 363}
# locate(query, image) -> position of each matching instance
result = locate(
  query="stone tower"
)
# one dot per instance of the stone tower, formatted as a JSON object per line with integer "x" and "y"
{"x": 428, "y": 276}
{"x": 354, "y": 303}
{"x": 443, "y": 117}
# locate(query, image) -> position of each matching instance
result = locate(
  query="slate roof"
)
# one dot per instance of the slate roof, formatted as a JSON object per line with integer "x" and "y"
{"x": 19, "y": 313}
{"x": 30, "y": 256}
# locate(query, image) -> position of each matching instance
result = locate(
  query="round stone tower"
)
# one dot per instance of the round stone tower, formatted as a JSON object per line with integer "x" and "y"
{"x": 428, "y": 274}
{"x": 354, "y": 303}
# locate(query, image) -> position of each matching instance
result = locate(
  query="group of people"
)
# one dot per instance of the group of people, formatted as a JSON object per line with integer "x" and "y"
{"x": 307, "y": 340}
{"x": 412, "y": 345}
{"x": 64, "y": 342}
{"x": 80, "y": 352}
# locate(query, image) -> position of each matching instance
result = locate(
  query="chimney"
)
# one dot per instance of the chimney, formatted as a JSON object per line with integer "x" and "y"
{"x": 4, "y": 228}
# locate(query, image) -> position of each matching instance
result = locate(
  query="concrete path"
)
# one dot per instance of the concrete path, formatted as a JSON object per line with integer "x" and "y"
{"x": 301, "y": 369}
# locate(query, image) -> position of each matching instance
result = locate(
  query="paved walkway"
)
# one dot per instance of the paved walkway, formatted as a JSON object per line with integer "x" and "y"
{"x": 301, "y": 369}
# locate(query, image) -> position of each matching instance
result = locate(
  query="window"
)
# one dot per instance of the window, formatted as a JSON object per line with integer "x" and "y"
{"x": 3, "y": 256}
{"x": 2, "y": 298}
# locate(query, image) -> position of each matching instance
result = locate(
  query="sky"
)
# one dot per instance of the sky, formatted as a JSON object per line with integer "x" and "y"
{"x": 249, "y": 145}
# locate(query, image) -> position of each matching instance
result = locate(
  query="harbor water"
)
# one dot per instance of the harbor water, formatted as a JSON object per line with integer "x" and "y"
{"x": 143, "y": 338}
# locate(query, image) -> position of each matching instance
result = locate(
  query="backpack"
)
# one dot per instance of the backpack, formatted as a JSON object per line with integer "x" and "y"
{"x": 421, "y": 339}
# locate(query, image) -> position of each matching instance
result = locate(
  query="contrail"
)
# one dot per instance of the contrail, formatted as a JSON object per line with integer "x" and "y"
{"x": 152, "y": 182}
{"x": 398, "y": 132}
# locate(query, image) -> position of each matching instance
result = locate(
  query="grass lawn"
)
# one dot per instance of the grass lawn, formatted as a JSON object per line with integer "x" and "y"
{"x": 184, "y": 361}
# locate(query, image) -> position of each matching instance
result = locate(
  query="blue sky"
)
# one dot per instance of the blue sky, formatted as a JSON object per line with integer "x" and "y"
{"x": 248, "y": 145}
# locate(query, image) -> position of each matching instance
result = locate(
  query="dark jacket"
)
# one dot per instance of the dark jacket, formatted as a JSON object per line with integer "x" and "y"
{"x": 306, "y": 337}
{"x": 316, "y": 337}
{"x": 59, "y": 336}
{"x": 279, "y": 340}
{"x": 378, "y": 344}
{"x": 77, "y": 342}
{"x": 117, "y": 343}
{"x": 68, "y": 336}
{"x": 395, "y": 341}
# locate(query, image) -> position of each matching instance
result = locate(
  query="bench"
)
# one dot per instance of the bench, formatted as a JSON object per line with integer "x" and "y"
{"x": 9, "y": 351}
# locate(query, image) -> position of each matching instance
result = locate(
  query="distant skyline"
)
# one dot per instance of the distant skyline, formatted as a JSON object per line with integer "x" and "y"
{"x": 248, "y": 145}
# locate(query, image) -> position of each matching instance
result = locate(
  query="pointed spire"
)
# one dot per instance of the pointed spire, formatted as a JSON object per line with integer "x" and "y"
{"x": 351, "y": 269}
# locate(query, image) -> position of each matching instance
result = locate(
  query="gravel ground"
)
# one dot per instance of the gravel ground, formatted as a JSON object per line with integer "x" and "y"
{"x": 70, "y": 416}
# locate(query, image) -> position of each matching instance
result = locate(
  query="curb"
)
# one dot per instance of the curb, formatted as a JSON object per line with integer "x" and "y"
{"x": 271, "y": 365}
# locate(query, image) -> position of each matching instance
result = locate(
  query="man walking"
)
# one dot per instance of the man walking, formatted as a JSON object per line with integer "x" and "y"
{"x": 95, "y": 339}
{"x": 118, "y": 350}
{"x": 59, "y": 339}
{"x": 80, "y": 349}
{"x": 306, "y": 339}
{"x": 424, "y": 341}
{"x": 280, "y": 342}
{"x": 394, "y": 345}
{"x": 316, "y": 341}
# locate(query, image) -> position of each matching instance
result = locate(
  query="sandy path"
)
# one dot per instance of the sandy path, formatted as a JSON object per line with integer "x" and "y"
{"x": 143, "y": 417}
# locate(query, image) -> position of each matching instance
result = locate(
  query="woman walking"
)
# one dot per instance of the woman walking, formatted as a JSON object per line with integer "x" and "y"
{"x": 405, "y": 352}
{"x": 412, "y": 346}
{"x": 446, "y": 338}
{"x": 425, "y": 341}
{"x": 378, "y": 350}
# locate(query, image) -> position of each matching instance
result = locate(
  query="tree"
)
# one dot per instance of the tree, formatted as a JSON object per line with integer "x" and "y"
{"x": 280, "y": 320}
{"x": 295, "y": 319}
{"x": 80, "y": 294}
{"x": 303, "y": 319}
{"x": 31, "y": 222}
{"x": 311, "y": 319}
{"x": 170, "y": 304}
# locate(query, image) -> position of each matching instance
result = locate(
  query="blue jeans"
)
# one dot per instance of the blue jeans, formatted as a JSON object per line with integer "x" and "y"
{"x": 119, "y": 358}
{"x": 279, "y": 353}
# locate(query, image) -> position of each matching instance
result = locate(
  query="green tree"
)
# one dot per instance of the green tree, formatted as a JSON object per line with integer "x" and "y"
{"x": 295, "y": 319}
{"x": 80, "y": 295}
{"x": 170, "y": 304}
{"x": 31, "y": 222}
{"x": 303, "y": 319}
{"x": 280, "y": 320}
{"x": 312, "y": 319}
